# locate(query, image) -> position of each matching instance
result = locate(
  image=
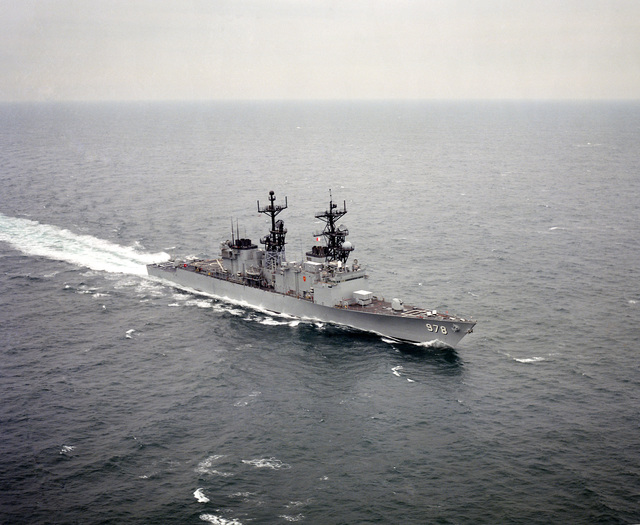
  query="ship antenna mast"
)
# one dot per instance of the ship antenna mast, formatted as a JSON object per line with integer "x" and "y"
{"x": 337, "y": 248}
{"x": 274, "y": 242}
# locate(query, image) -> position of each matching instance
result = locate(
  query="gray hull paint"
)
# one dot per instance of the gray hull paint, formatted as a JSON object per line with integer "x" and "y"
{"x": 396, "y": 326}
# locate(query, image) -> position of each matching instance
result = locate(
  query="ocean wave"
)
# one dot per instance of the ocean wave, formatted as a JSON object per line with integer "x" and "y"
{"x": 286, "y": 517}
{"x": 206, "y": 466}
{"x": 272, "y": 463}
{"x": 219, "y": 520}
{"x": 199, "y": 495}
{"x": 396, "y": 372}
{"x": 245, "y": 495}
{"x": 247, "y": 399}
{"x": 529, "y": 359}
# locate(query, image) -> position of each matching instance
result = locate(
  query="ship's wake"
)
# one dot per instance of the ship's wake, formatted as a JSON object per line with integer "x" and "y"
{"x": 36, "y": 239}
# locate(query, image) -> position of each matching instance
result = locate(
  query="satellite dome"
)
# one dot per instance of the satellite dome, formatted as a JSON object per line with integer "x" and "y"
{"x": 347, "y": 245}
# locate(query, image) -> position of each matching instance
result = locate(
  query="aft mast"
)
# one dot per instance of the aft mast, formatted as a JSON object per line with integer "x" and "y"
{"x": 337, "y": 247}
{"x": 275, "y": 241}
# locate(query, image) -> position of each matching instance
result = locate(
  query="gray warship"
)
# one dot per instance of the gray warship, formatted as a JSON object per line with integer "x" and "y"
{"x": 323, "y": 287}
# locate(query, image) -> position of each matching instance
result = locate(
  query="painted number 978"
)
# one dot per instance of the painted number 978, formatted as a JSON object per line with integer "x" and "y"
{"x": 435, "y": 328}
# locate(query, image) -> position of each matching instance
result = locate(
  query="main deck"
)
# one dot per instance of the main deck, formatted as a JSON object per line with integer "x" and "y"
{"x": 214, "y": 268}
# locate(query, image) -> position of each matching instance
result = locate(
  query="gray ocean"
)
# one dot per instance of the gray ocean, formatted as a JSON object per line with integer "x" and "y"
{"x": 125, "y": 400}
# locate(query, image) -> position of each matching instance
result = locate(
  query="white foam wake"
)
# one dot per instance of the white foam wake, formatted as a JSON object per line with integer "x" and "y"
{"x": 32, "y": 238}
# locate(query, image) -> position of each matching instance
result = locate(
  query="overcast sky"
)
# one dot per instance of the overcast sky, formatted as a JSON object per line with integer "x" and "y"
{"x": 319, "y": 49}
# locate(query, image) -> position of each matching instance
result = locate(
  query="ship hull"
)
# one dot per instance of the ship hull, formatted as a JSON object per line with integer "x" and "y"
{"x": 395, "y": 326}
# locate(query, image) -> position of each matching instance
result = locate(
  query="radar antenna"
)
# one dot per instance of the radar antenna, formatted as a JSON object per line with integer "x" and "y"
{"x": 337, "y": 248}
{"x": 275, "y": 241}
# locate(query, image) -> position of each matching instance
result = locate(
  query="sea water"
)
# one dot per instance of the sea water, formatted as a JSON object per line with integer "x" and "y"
{"x": 126, "y": 400}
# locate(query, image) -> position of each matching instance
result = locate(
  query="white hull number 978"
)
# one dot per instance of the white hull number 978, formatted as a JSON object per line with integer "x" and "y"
{"x": 435, "y": 328}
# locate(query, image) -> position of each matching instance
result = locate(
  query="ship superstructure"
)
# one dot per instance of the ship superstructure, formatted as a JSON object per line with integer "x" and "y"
{"x": 321, "y": 287}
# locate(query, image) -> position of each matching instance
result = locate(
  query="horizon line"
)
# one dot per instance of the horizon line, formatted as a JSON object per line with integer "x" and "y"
{"x": 313, "y": 100}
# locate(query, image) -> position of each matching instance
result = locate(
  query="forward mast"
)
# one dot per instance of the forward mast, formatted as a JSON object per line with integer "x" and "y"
{"x": 274, "y": 243}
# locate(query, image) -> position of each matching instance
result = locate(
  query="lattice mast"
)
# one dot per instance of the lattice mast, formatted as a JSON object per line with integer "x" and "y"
{"x": 337, "y": 247}
{"x": 274, "y": 242}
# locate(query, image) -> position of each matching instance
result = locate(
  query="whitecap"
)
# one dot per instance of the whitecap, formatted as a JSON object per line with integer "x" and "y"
{"x": 529, "y": 359}
{"x": 242, "y": 494}
{"x": 206, "y": 466}
{"x": 218, "y": 520}
{"x": 199, "y": 495}
{"x": 286, "y": 517}
{"x": 129, "y": 332}
{"x": 295, "y": 504}
{"x": 215, "y": 472}
{"x": 396, "y": 370}
{"x": 272, "y": 463}
{"x": 66, "y": 448}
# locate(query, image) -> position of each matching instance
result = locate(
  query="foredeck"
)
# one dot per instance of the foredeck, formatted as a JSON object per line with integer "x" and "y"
{"x": 380, "y": 306}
